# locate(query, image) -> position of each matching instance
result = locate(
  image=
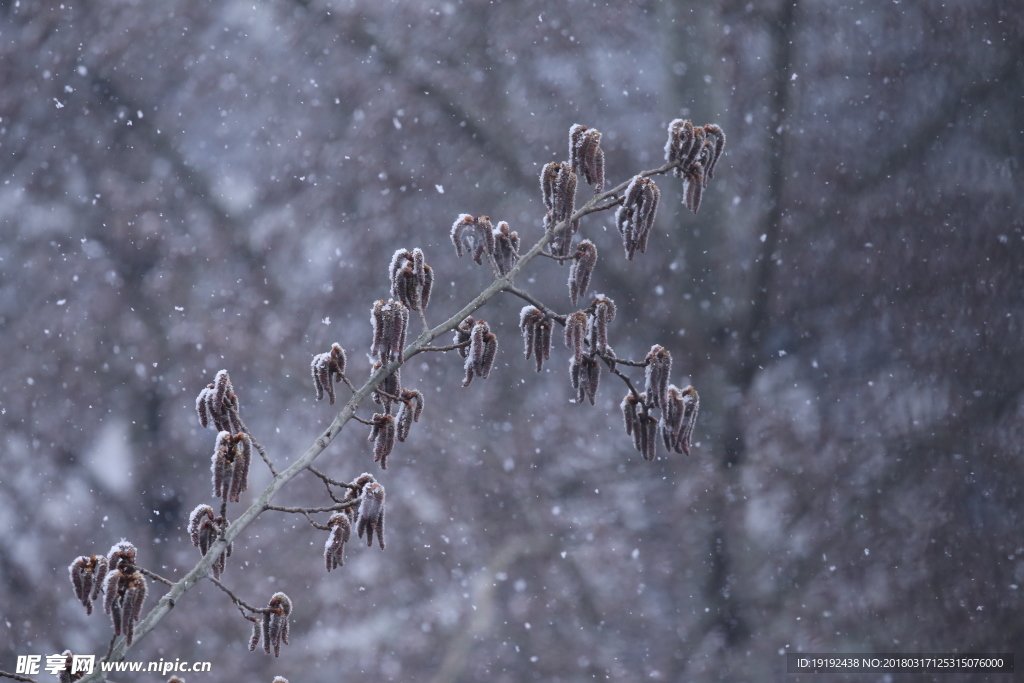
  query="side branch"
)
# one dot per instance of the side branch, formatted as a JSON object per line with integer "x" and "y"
{"x": 526, "y": 296}
{"x": 330, "y": 508}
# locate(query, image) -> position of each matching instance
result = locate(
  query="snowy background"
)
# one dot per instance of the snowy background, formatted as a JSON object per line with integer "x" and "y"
{"x": 187, "y": 186}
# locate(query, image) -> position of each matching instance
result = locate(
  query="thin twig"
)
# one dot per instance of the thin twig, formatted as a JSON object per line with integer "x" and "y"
{"x": 17, "y": 677}
{"x": 624, "y": 361}
{"x": 526, "y": 296}
{"x": 237, "y": 600}
{"x": 329, "y": 480}
{"x": 155, "y": 576}
{"x": 330, "y": 508}
{"x": 110, "y": 649}
{"x": 632, "y": 389}
{"x": 364, "y": 421}
{"x": 347, "y": 382}
{"x": 263, "y": 453}
{"x": 450, "y": 347}
{"x": 321, "y": 527}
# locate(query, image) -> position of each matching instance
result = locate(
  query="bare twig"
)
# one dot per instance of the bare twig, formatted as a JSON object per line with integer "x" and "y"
{"x": 17, "y": 677}
{"x": 263, "y": 453}
{"x": 526, "y": 296}
{"x": 155, "y": 576}
{"x": 363, "y": 420}
{"x": 330, "y": 508}
{"x": 632, "y": 389}
{"x": 322, "y": 527}
{"x": 237, "y": 600}
{"x": 450, "y": 347}
{"x": 110, "y": 648}
{"x": 345, "y": 379}
{"x": 329, "y": 480}
{"x": 624, "y": 361}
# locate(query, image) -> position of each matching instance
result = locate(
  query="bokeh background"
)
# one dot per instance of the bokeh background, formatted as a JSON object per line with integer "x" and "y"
{"x": 188, "y": 185}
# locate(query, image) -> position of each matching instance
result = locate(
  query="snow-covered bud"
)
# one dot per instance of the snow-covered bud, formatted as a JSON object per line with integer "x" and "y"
{"x": 230, "y": 465}
{"x": 715, "y": 131}
{"x": 483, "y": 347}
{"x": 484, "y": 238}
{"x": 695, "y": 182}
{"x": 680, "y": 417}
{"x": 411, "y": 279}
{"x": 474, "y": 235}
{"x": 589, "y": 378}
{"x": 575, "y": 332}
{"x": 583, "y": 262}
{"x": 125, "y": 590}
{"x": 121, "y": 554}
{"x": 656, "y": 373}
{"x": 388, "y": 387}
{"x": 548, "y": 176}
{"x": 257, "y": 631}
{"x": 334, "y": 549}
{"x": 586, "y": 155}
{"x": 680, "y": 139}
{"x": 382, "y": 434}
{"x": 87, "y": 574}
{"x": 560, "y": 219}
{"x": 462, "y": 335}
{"x": 635, "y": 218}
{"x": 647, "y": 428}
{"x": 536, "y": 329}
{"x": 409, "y": 412}
{"x": 506, "y": 248}
{"x": 390, "y": 321}
{"x": 629, "y": 408}
{"x": 564, "y": 193}
{"x": 275, "y": 624}
{"x": 328, "y": 368}
{"x": 217, "y": 404}
{"x": 371, "y": 514}
{"x": 696, "y": 151}
{"x": 205, "y": 528}
{"x": 601, "y": 313}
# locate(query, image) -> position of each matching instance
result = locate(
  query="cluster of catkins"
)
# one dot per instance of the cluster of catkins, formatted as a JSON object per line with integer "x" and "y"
{"x": 273, "y": 627}
{"x": 558, "y": 186}
{"x": 635, "y": 217}
{"x": 230, "y": 465}
{"x": 328, "y": 368}
{"x": 217, "y": 405}
{"x": 204, "y": 528}
{"x": 122, "y": 582}
{"x": 481, "y": 350}
{"x": 476, "y": 235}
{"x": 586, "y": 335}
{"x": 368, "y": 519}
{"x": 411, "y": 279}
{"x": 678, "y": 409}
{"x": 695, "y": 150}
{"x": 68, "y": 674}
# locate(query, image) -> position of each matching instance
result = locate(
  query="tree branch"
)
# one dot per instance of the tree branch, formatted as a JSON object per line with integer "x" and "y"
{"x": 347, "y": 413}
{"x": 155, "y": 576}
